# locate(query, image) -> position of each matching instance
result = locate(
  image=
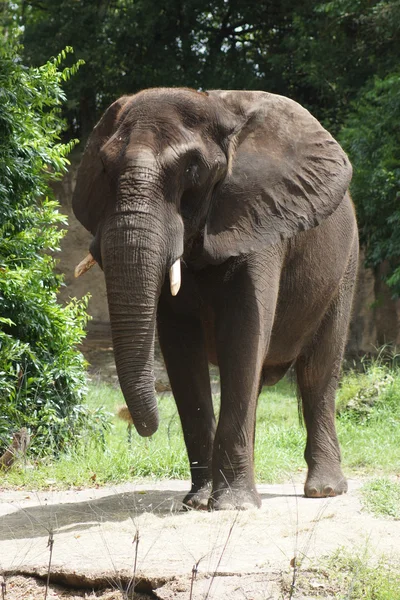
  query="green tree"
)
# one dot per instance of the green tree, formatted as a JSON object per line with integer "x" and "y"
{"x": 42, "y": 374}
{"x": 319, "y": 54}
{"x": 371, "y": 135}
{"x": 336, "y": 48}
{"x": 128, "y": 46}
{"x": 326, "y": 55}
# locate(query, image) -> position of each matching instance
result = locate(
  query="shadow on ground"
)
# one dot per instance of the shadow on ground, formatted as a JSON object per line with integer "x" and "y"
{"x": 39, "y": 520}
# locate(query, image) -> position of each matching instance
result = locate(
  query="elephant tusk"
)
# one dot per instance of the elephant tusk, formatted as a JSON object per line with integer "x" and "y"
{"x": 175, "y": 277}
{"x": 85, "y": 264}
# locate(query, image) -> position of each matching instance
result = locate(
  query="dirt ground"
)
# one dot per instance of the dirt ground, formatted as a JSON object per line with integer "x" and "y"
{"x": 21, "y": 587}
{"x": 138, "y": 536}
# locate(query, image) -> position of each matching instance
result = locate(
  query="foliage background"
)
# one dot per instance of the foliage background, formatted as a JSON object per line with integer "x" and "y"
{"x": 42, "y": 375}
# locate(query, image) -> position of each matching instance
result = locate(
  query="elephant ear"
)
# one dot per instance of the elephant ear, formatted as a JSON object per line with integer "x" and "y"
{"x": 92, "y": 189}
{"x": 287, "y": 175}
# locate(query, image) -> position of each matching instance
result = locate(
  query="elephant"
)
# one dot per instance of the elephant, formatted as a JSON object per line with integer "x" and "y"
{"x": 222, "y": 220}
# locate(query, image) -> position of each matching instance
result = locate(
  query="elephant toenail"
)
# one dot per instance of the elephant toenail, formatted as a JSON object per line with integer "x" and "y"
{"x": 224, "y": 506}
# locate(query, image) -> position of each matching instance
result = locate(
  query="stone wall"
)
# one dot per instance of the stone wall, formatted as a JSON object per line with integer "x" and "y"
{"x": 376, "y": 316}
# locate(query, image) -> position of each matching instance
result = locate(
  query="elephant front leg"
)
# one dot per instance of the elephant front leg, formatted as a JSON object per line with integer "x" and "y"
{"x": 233, "y": 458}
{"x": 183, "y": 348}
{"x": 243, "y": 332}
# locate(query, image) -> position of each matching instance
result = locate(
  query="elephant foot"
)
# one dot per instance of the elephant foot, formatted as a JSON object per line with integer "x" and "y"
{"x": 198, "y": 497}
{"x": 234, "y": 499}
{"x": 324, "y": 484}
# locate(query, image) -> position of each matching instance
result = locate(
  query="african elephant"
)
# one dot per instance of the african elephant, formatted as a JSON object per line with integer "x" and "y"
{"x": 240, "y": 199}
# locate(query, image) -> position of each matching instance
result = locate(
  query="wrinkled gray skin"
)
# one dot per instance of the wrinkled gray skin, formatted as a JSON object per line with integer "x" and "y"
{"x": 251, "y": 192}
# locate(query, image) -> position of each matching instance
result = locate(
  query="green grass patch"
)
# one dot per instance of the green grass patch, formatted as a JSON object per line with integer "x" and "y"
{"x": 370, "y": 441}
{"x": 382, "y": 497}
{"x": 97, "y": 461}
{"x": 350, "y": 576}
{"x": 369, "y": 420}
{"x": 280, "y": 438}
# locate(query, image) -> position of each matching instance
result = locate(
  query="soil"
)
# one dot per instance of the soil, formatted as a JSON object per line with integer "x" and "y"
{"x": 20, "y": 587}
{"x": 100, "y": 534}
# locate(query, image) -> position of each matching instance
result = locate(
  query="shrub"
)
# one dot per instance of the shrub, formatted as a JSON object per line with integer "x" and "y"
{"x": 371, "y": 135}
{"x": 375, "y": 387}
{"x": 42, "y": 374}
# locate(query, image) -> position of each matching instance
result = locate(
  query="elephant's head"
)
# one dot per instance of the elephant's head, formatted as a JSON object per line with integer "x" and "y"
{"x": 235, "y": 171}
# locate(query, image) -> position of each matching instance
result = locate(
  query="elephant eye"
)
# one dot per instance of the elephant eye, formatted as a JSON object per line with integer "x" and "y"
{"x": 192, "y": 173}
{"x": 191, "y": 169}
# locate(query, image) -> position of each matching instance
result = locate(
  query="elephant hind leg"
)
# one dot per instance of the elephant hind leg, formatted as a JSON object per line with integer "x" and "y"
{"x": 318, "y": 370}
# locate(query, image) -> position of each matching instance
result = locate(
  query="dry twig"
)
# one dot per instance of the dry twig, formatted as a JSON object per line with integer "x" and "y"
{"x": 132, "y": 583}
{"x": 50, "y": 545}
{"x": 3, "y": 588}
{"x": 222, "y": 554}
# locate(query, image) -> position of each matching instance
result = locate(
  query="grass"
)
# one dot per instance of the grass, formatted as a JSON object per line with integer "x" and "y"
{"x": 350, "y": 576}
{"x": 381, "y": 496}
{"x": 369, "y": 420}
{"x": 369, "y": 438}
{"x": 91, "y": 462}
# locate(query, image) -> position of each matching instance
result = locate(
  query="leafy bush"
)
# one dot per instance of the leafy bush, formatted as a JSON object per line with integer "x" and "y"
{"x": 377, "y": 387}
{"x": 372, "y": 138}
{"x": 359, "y": 392}
{"x": 42, "y": 374}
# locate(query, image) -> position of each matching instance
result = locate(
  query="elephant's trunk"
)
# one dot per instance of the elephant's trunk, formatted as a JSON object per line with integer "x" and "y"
{"x": 134, "y": 262}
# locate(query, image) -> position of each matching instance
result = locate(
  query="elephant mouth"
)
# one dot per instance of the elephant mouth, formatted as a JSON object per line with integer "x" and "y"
{"x": 174, "y": 273}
